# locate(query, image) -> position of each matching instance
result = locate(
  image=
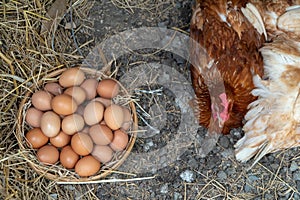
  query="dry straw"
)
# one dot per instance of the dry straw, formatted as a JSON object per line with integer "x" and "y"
{"x": 27, "y": 60}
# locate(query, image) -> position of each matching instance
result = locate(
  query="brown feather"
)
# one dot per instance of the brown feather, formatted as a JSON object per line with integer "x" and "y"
{"x": 232, "y": 43}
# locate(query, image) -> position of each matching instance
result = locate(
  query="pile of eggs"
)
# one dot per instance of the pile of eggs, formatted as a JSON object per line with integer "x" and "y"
{"x": 74, "y": 121}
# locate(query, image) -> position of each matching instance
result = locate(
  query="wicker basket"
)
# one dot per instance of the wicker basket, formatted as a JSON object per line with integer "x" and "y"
{"x": 58, "y": 172}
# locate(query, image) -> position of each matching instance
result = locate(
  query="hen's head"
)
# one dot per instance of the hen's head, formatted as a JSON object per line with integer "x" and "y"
{"x": 221, "y": 103}
{"x": 220, "y": 109}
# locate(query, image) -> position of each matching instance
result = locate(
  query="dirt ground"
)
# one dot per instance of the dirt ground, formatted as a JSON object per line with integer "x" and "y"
{"x": 148, "y": 43}
{"x": 186, "y": 176}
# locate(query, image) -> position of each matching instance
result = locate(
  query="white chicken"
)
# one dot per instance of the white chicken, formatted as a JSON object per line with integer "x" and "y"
{"x": 273, "y": 120}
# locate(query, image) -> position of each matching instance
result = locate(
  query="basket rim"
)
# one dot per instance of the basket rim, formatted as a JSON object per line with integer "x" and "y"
{"x": 102, "y": 173}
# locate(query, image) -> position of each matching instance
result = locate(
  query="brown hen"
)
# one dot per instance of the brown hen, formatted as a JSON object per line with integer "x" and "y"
{"x": 224, "y": 56}
{"x": 273, "y": 121}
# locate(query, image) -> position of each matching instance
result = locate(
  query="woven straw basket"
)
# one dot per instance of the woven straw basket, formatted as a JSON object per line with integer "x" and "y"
{"x": 58, "y": 172}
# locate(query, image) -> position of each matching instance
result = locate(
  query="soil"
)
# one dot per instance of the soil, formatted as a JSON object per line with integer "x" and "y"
{"x": 164, "y": 162}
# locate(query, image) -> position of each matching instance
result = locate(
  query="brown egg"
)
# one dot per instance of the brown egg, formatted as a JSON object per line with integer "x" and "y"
{"x": 68, "y": 158}
{"x": 101, "y": 134}
{"x": 36, "y": 138}
{"x": 82, "y": 144}
{"x": 93, "y": 113}
{"x": 127, "y": 119}
{"x": 108, "y": 88}
{"x": 33, "y": 117}
{"x": 71, "y": 77}
{"x": 77, "y": 93}
{"x": 114, "y": 116}
{"x": 102, "y": 153}
{"x": 41, "y": 100}
{"x": 120, "y": 140}
{"x": 64, "y": 104}
{"x": 48, "y": 154}
{"x": 50, "y": 124}
{"x": 53, "y": 88}
{"x": 105, "y": 102}
{"x": 61, "y": 140}
{"x": 72, "y": 124}
{"x": 87, "y": 166}
{"x": 90, "y": 87}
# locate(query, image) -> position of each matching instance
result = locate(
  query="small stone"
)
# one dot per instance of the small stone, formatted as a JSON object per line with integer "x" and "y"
{"x": 148, "y": 145}
{"x": 164, "y": 189}
{"x": 252, "y": 178}
{"x": 187, "y": 176}
{"x": 177, "y": 196}
{"x": 212, "y": 162}
{"x": 296, "y": 176}
{"x": 224, "y": 142}
{"x": 298, "y": 185}
{"x": 296, "y": 196}
{"x": 139, "y": 23}
{"x": 54, "y": 196}
{"x": 227, "y": 153}
{"x": 192, "y": 163}
{"x": 274, "y": 166}
{"x": 285, "y": 169}
{"x": 222, "y": 175}
{"x": 269, "y": 196}
{"x": 178, "y": 5}
{"x": 68, "y": 26}
{"x": 294, "y": 166}
{"x": 247, "y": 188}
{"x": 152, "y": 194}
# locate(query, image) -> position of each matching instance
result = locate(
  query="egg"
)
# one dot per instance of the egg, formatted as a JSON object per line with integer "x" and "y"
{"x": 41, "y": 100}
{"x": 77, "y": 93}
{"x": 61, "y": 140}
{"x": 50, "y": 124}
{"x": 127, "y": 119}
{"x": 87, "y": 166}
{"x": 36, "y": 138}
{"x": 48, "y": 154}
{"x": 64, "y": 104}
{"x": 68, "y": 158}
{"x": 120, "y": 140}
{"x": 71, "y": 77}
{"x": 90, "y": 87}
{"x": 102, "y": 153}
{"x": 108, "y": 88}
{"x": 93, "y": 113}
{"x": 114, "y": 116}
{"x": 72, "y": 124}
{"x": 53, "y": 88}
{"x": 33, "y": 117}
{"x": 82, "y": 144}
{"x": 101, "y": 134}
{"x": 105, "y": 102}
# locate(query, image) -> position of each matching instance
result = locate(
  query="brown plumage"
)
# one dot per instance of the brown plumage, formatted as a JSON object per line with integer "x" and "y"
{"x": 271, "y": 12}
{"x": 273, "y": 121}
{"x": 224, "y": 56}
